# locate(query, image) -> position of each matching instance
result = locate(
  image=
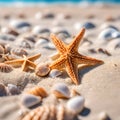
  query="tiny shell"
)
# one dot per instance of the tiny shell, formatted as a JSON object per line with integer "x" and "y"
{"x": 5, "y": 68}
{"x": 30, "y": 100}
{"x": 50, "y": 46}
{"x": 103, "y": 116}
{"x": 89, "y": 25}
{"x": 42, "y": 70}
{"x": 19, "y": 52}
{"x": 13, "y": 89}
{"x": 3, "y": 91}
{"x": 38, "y": 91}
{"x": 76, "y": 104}
{"x": 7, "y": 37}
{"x": 55, "y": 73}
{"x": 1, "y": 50}
{"x": 61, "y": 90}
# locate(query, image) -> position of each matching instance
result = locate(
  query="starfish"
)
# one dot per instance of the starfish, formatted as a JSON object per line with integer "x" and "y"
{"x": 69, "y": 58}
{"x": 26, "y": 62}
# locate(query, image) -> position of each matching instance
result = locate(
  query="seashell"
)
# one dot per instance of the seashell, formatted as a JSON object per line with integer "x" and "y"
{"x": 13, "y": 89}
{"x": 18, "y": 24}
{"x": 38, "y": 91}
{"x": 61, "y": 90}
{"x": 89, "y": 25}
{"x": 48, "y": 15}
{"x": 25, "y": 44}
{"x": 39, "y": 29}
{"x": 109, "y": 34}
{"x": 7, "y": 30}
{"x": 53, "y": 112}
{"x": 55, "y": 73}
{"x": 103, "y": 116}
{"x": 38, "y": 15}
{"x": 50, "y": 46}
{"x": 40, "y": 42}
{"x": 42, "y": 70}
{"x": 106, "y": 26}
{"x": 76, "y": 104}
{"x": 74, "y": 93}
{"x": 29, "y": 100}
{"x": 77, "y": 26}
{"x": 19, "y": 52}
{"x": 3, "y": 91}
{"x": 1, "y": 49}
{"x": 5, "y": 68}
{"x": 7, "y": 37}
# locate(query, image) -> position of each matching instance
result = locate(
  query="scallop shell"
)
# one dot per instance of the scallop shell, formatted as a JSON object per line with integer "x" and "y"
{"x": 76, "y": 104}
{"x": 38, "y": 91}
{"x": 5, "y": 68}
{"x": 30, "y": 100}
{"x": 48, "y": 111}
{"x": 61, "y": 90}
{"x": 42, "y": 70}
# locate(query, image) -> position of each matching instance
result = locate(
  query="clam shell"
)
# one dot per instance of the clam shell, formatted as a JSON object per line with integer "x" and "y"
{"x": 13, "y": 89}
{"x": 29, "y": 100}
{"x": 76, "y": 104}
{"x": 38, "y": 91}
{"x": 42, "y": 70}
{"x": 3, "y": 91}
{"x": 61, "y": 90}
{"x": 19, "y": 52}
{"x": 5, "y": 68}
{"x": 89, "y": 25}
{"x": 55, "y": 73}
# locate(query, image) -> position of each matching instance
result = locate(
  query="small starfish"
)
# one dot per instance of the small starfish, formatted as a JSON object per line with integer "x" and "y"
{"x": 25, "y": 62}
{"x": 69, "y": 58}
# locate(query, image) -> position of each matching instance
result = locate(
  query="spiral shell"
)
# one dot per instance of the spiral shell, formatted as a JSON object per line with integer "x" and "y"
{"x": 5, "y": 68}
{"x": 38, "y": 91}
{"x": 48, "y": 112}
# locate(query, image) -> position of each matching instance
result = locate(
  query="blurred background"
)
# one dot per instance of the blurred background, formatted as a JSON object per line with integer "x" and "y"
{"x": 59, "y": 1}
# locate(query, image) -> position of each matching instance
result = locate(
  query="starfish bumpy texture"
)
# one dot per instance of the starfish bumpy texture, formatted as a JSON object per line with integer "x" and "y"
{"x": 25, "y": 62}
{"x": 69, "y": 58}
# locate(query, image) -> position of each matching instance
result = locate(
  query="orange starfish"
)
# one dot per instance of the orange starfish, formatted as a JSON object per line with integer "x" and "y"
{"x": 25, "y": 62}
{"x": 69, "y": 58}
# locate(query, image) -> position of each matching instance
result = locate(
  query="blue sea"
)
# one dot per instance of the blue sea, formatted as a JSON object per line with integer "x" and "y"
{"x": 11, "y": 2}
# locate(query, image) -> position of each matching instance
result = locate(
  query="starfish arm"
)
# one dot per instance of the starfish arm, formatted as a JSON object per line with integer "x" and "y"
{"x": 75, "y": 43}
{"x": 35, "y": 57}
{"x": 31, "y": 64}
{"x": 72, "y": 71}
{"x": 58, "y": 43}
{"x": 80, "y": 59}
{"x": 24, "y": 66}
{"x": 15, "y": 62}
{"x": 58, "y": 64}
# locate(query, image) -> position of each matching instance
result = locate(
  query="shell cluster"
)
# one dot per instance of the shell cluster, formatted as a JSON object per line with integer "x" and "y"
{"x": 57, "y": 112}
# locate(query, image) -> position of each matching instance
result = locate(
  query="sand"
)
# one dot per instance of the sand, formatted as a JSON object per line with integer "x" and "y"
{"x": 99, "y": 85}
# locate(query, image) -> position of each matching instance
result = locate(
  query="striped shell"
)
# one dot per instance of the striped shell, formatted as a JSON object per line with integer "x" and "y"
{"x": 38, "y": 91}
{"x": 48, "y": 112}
{"x": 5, "y": 68}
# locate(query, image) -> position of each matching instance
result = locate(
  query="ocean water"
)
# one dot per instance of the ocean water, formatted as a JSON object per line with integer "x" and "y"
{"x": 6, "y": 2}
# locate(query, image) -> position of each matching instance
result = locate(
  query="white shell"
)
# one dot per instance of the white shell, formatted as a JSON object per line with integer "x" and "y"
{"x": 76, "y": 104}
{"x": 109, "y": 34}
{"x": 55, "y": 73}
{"x": 62, "y": 89}
{"x": 30, "y": 100}
{"x": 40, "y": 42}
{"x": 13, "y": 89}
{"x": 50, "y": 46}
{"x": 77, "y": 26}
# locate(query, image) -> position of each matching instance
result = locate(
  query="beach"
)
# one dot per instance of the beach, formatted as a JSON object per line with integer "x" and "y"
{"x": 29, "y": 28}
